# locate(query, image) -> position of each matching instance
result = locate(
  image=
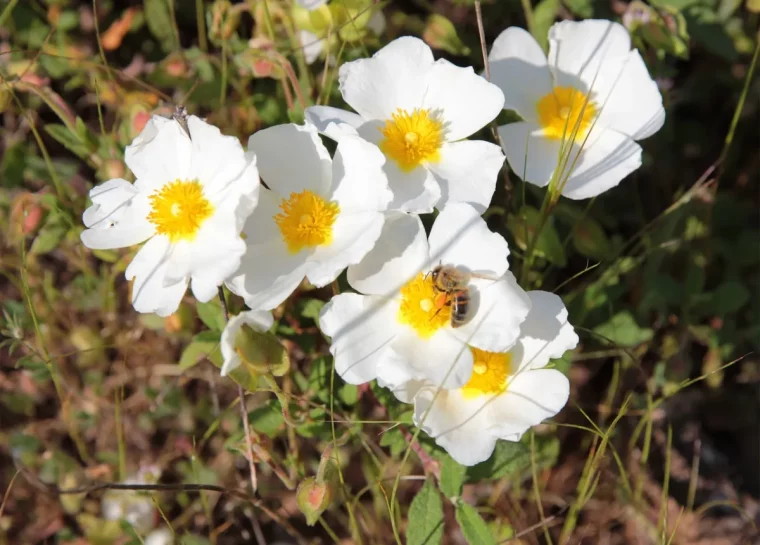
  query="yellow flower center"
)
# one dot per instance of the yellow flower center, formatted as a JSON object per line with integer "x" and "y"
{"x": 565, "y": 113}
{"x": 412, "y": 138}
{"x": 423, "y": 307}
{"x": 179, "y": 209}
{"x": 489, "y": 373}
{"x": 306, "y": 220}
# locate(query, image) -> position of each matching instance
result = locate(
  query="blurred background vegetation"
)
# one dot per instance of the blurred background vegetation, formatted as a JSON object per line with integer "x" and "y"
{"x": 660, "y": 442}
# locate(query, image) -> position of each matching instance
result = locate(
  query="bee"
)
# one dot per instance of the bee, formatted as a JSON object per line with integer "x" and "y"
{"x": 453, "y": 287}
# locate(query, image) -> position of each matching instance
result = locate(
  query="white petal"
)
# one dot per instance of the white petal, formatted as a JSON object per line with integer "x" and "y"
{"x": 460, "y": 237}
{"x": 312, "y": 44}
{"x": 398, "y": 255}
{"x": 291, "y": 158}
{"x": 359, "y": 182}
{"x": 606, "y": 159}
{"x": 106, "y": 198}
{"x": 499, "y": 308}
{"x": 467, "y": 172}
{"x": 462, "y": 99}
{"x": 354, "y": 235}
{"x": 458, "y": 425}
{"x": 268, "y": 274}
{"x": 117, "y": 218}
{"x": 260, "y": 227}
{"x": 217, "y": 160}
{"x": 531, "y": 398}
{"x": 395, "y": 77}
{"x": 519, "y": 68}
{"x": 148, "y": 269}
{"x": 441, "y": 359}
{"x": 161, "y": 154}
{"x": 311, "y": 4}
{"x": 333, "y": 122}
{"x": 628, "y": 97}
{"x": 258, "y": 320}
{"x": 531, "y": 156}
{"x": 545, "y": 334}
{"x": 213, "y": 255}
{"x": 401, "y": 385}
{"x": 205, "y": 286}
{"x": 361, "y": 329}
{"x": 417, "y": 191}
{"x": 578, "y": 49}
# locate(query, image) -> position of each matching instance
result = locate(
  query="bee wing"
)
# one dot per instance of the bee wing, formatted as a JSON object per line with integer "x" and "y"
{"x": 484, "y": 276}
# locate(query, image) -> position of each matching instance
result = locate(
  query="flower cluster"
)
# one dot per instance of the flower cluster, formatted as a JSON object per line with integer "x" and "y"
{"x": 436, "y": 317}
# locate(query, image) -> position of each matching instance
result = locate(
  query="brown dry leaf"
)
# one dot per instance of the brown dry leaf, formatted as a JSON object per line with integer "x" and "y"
{"x": 113, "y": 37}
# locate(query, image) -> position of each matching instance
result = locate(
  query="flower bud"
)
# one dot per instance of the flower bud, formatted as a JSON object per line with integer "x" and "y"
{"x": 261, "y": 352}
{"x": 26, "y": 214}
{"x": 223, "y": 20}
{"x": 313, "y": 498}
{"x": 315, "y": 494}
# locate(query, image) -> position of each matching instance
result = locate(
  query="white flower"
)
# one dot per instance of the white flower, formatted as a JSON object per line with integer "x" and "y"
{"x": 162, "y": 536}
{"x": 134, "y": 506}
{"x": 508, "y": 392}
{"x": 593, "y": 93}
{"x": 401, "y": 329}
{"x": 312, "y": 45}
{"x": 311, "y": 5}
{"x": 189, "y": 202}
{"x": 258, "y": 320}
{"x": 418, "y": 111}
{"x": 317, "y": 217}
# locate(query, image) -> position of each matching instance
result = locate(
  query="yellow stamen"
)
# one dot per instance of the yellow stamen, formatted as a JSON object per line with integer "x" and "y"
{"x": 566, "y": 113}
{"x": 417, "y": 309}
{"x": 412, "y": 139}
{"x": 490, "y": 371}
{"x": 306, "y": 220}
{"x": 179, "y": 209}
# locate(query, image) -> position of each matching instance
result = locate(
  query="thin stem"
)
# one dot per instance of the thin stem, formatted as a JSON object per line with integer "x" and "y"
{"x": 201, "y": 23}
{"x": 487, "y": 65}
{"x": 740, "y": 105}
{"x": 482, "y": 36}
{"x": 243, "y": 412}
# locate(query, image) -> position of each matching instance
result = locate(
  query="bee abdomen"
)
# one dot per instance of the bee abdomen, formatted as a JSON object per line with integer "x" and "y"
{"x": 460, "y": 308}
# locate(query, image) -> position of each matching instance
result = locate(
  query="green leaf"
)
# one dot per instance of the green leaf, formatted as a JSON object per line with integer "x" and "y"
{"x": 70, "y": 140}
{"x": 426, "y": 516}
{"x": 50, "y": 235}
{"x": 160, "y": 24}
{"x": 395, "y": 440}
{"x": 348, "y": 394}
{"x": 474, "y": 528}
{"x": 708, "y": 32}
{"x": 211, "y": 314}
{"x": 729, "y": 297}
{"x": 204, "y": 345}
{"x": 581, "y": 8}
{"x": 192, "y": 539}
{"x": 623, "y": 330}
{"x": 267, "y": 419}
{"x": 524, "y": 225}
{"x": 310, "y": 308}
{"x": 452, "y": 477}
{"x": 543, "y": 17}
{"x": 590, "y": 240}
{"x": 508, "y": 458}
